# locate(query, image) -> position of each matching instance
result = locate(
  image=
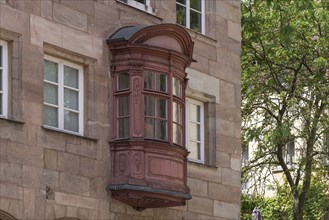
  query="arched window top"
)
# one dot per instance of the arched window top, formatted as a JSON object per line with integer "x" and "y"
{"x": 165, "y": 36}
{"x": 6, "y": 216}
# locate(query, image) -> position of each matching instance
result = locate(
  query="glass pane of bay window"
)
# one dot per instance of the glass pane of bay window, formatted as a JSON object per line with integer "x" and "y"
{"x": 71, "y": 77}
{"x": 162, "y": 130}
{"x": 1, "y": 80}
{"x": 155, "y": 81}
{"x": 177, "y": 134}
{"x": 50, "y": 116}
{"x": 50, "y": 71}
{"x": 195, "y": 4}
{"x": 71, "y": 99}
{"x": 149, "y": 106}
{"x": 150, "y": 127}
{"x": 177, "y": 113}
{"x": 1, "y": 104}
{"x": 50, "y": 93}
{"x": 71, "y": 121}
{"x": 123, "y": 127}
{"x": 162, "y": 108}
{"x": 123, "y": 81}
{"x": 177, "y": 87}
{"x": 123, "y": 106}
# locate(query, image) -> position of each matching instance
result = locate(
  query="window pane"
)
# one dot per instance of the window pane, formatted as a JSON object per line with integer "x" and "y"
{"x": 123, "y": 127}
{"x": 198, "y": 113}
{"x": 150, "y": 127}
{"x": 193, "y": 112}
{"x": 193, "y": 131}
{"x": 162, "y": 130}
{"x": 162, "y": 83}
{"x": 180, "y": 15}
{"x": 182, "y": 2}
{"x": 162, "y": 108}
{"x": 71, "y": 99}
{"x": 71, "y": 121}
{"x": 0, "y": 80}
{"x": 0, "y": 56}
{"x": 50, "y": 71}
{"x": 71, "y": 77}
{"x": 177, "y": 87}
{"x": 194, "y": 149}
{"x": 177, "y": 113}
{"x": 50, "y": 116}
{"x": 149, "y": 106}
{"x": 123, "y": 106}
{"x": 123, "y": 81}
{"x": 50, "y": 94}
{"x": 195, "y": 21}
{"x": 177, "y": 134}
{"x": 1, "y": 104}
{"x": 140, "y": 1}
{"x": 149, "y": 80}
{"x": 195, "y": 4}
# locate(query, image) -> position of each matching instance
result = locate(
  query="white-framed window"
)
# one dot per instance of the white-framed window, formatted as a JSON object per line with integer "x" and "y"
{"x": 144, "y": 5}
{"x": 63, "y": 95}
{"x": 195, "y": 130}
{"x": 3, "y": 79}
{"x": 191, "y": 14}
{"x": 289, "y": 152}
{"x": 245, "y": 154}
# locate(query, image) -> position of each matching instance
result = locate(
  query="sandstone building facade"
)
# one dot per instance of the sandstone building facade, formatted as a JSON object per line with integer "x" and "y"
{"x": 101, "y": 101}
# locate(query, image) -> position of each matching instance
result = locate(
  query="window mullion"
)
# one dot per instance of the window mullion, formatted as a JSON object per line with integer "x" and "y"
{"x": 188, "y": 13}
{"x": 60, "y": 95}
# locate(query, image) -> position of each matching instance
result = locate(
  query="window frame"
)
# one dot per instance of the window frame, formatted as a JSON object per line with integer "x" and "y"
{"x": 202, "y": 128}
{"x": 143, "y": 7}
{"x": 188, "y": 16}
{"x": 60, "y": 93}
{"x": 4, "y": 67}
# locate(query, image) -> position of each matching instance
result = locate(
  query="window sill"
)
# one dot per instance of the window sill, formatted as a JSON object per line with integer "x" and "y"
{"x": 148, "y": 9}
{"x": 68, "y": 133}
{"x": 202, "y": 164}
{"x": 17, "y": 121}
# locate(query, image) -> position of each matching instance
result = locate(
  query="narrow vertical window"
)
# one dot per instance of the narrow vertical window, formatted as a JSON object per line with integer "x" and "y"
{"x": 195, "y": 130}
{"x": 3, "y": 79}
{"x": 191, "y": 14}
{"x": 289, "y": 153}
{"x": 123, "y": 116}
{"x": 63, "y": 95}
{"x": 177, "y": 123}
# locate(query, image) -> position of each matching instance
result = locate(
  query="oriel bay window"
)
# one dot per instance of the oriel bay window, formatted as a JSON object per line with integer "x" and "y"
{"x": 148, "y": 152}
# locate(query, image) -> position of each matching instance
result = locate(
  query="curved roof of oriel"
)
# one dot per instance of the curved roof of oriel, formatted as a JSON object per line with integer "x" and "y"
{"x": 141, "y": 34}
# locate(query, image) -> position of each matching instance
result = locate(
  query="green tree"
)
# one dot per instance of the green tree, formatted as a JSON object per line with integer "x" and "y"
{"x": 285, "y": 89}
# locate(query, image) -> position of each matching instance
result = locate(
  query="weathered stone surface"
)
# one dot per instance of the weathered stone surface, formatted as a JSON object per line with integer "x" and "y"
{"x": 29, "y": 203}
{"x": 84, "y": 213}
{"x": 40, "y": 200}
{"x": 71, "y": 211}
{"x": 224, "y": 193}
{"x": 8, "y": 190}
{"x": 104, "y": 210}
{"x": 230, "y": 177}
{"x": 50, "y": 159}
{"x": 88, "y": 167}
{"x": 31, "y": 176}
{"x": 229, "y": 145}
{"x": 10, "y": 173}
{"x": 16, "y": 208}
{"x": 50, "y": 178}
{"x": 47, "y": 138}
{"x": 47, "y": 9}
{"x": 236, "y": 164}
{"x": 85, "y": 7}
{"x": 225, "y": 127}
{"x": 203, "y": 173}
{"x": 234, "y": 30}
{"x": 78, "y": 201}
{"x": 20, "y": 154}
{"x": 226, "y": 93}
{"x": 74, "y": 184}
{"x": 59, "y": 210}
{"x": 198, "y": 187}
{"x": 226, "y": 210}
{"x": 68, "y": 162}
{"x": 69, "y": 17}
{"x": 201, "y": 205}
{"x": 86, "y": 148}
